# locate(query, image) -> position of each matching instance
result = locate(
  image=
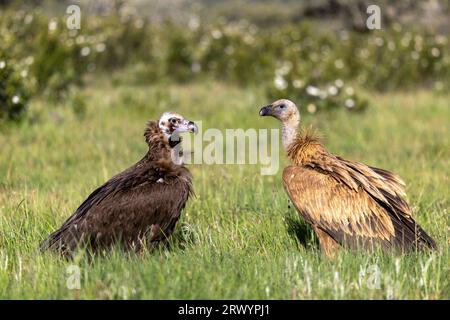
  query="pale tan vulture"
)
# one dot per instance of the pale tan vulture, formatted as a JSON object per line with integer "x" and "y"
{"x": 348, "y": 204}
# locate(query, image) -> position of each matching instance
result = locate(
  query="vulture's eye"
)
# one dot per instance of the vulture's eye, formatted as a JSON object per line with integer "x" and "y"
{"x": 173, "y": 120}
{"x": 282, "y": 106}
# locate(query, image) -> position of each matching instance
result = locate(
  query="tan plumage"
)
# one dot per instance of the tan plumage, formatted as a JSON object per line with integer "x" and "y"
{"x": 348, "y": 203}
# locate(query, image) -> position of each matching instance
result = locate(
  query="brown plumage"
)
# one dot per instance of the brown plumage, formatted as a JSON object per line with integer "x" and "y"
{"x": 139, "y": 206}
{"x": 347, "y": 203}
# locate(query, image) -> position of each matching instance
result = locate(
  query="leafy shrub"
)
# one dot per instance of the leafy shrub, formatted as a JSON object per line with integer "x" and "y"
{"x": 286, "y": 60}
{"x": 13, "y": 94}
{"x": 179, "y": 57}
{"x": 314, "y": 98}
{"x": 58, "y": 61}
{"x": 235, "y": 52}
{"x": 55, "y": 57}
{"x": 118, "y": 40}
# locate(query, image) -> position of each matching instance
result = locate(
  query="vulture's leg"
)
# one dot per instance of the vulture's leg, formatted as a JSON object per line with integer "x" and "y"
{"x": 159, "y": 234}
{"x": 153, "y": 238}
{"x": 71, "y": 239}
{"x": 155, "y": 233}
{"x": 328, "y": 245}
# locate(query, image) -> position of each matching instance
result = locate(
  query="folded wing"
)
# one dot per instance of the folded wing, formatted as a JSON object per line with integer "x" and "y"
{"x": 355, "y": 209}
{"x": 125, "y": 208}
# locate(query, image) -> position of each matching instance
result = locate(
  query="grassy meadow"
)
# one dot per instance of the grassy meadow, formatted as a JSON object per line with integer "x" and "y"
{"x": 238, "y": 239}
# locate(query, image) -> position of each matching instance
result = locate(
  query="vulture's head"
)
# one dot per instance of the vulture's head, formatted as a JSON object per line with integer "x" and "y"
{"x": 171, "y": 124}
{"x": 284, "y": 110}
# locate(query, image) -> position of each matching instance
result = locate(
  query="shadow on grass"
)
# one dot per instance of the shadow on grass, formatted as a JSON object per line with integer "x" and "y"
{"x": 301, "y": 231}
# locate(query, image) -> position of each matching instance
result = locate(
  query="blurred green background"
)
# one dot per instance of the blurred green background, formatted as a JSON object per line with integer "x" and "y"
{"x": 311, "y": 51}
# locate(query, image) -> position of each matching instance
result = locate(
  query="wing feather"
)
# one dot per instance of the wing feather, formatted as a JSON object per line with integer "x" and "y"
{"x": 351, "y": 216}
{"x": 124, "y": 206}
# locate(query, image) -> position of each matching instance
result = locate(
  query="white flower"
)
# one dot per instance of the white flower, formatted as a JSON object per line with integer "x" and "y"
{"x": 80, "y": 39}
{"x": 2, "y": 64}
{"x": 405, "y": 40}
{"x": 332, "y": 90}
{"x": 349, "y": 91}
{"x": 440, "y": 39}
{"x": 24, "y": 73}
{"x": 379, "y": 41}
{"x": 339, "y": 83}
{"x": 312, "y": 91}
{"x": 391, "y": 45}
{"x": 339, "y": 64}
{"x": 194, "y": 23}
{"x": 85, "y": 51}
{"x": 100, "y": 47}
{"x": 297, "y": 83}
{"x": 349, "y": 103}
{"x": 435, "y": 52}
{"x": 284, "y": 69}
{"x": 29, "y": 60}
{"x": 216, "y": 34}
{"x": 418, "y": 46}
{"x": 364, "y": 53}
{"x": 311, "y": 108}
{"x": 280, "y": 83}
{"x": 52, "y": 25}
{"x": 249, "y": 39}
{"x": 15, "y": 99}
{"x": 28, "y": 19}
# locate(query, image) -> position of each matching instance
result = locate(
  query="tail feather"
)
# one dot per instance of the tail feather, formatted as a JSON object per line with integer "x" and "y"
{"x": 62, "y": 241}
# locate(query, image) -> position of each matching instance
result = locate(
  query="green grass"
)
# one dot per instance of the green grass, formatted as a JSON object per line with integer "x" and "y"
{"x": 237, "y": 238}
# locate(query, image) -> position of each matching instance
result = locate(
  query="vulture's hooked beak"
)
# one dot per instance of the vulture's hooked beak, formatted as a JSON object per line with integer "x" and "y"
{"x": 265, "y": 111}
{"x": 187, "y": 126}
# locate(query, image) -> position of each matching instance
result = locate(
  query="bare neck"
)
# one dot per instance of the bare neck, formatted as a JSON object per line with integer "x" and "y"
{"x": 289, "y": 130}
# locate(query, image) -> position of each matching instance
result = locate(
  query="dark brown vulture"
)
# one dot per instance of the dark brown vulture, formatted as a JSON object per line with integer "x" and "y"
{"x": 138, "y": 207}
{"x": 348, "y": 203}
